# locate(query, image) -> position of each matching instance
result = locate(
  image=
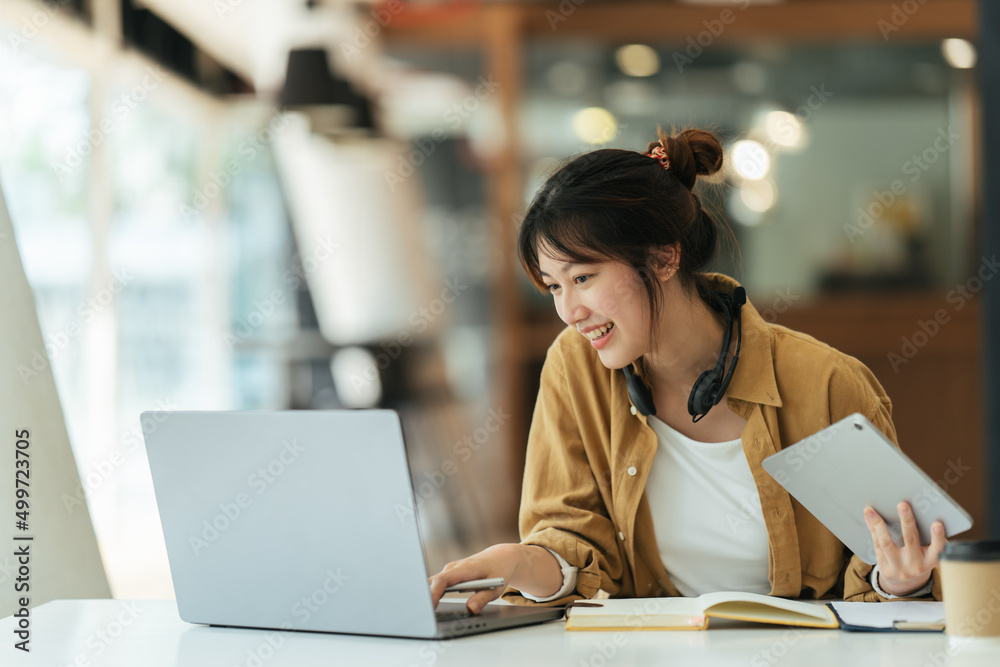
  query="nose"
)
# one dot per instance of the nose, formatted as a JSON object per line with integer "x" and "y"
{"x": 571, "y": 308}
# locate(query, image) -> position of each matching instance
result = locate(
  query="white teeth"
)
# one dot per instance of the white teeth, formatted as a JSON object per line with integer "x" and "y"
{"x": 599, "y": 331}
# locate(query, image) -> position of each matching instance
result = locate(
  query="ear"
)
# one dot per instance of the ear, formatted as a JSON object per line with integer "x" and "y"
{"x": 666, "y": 261}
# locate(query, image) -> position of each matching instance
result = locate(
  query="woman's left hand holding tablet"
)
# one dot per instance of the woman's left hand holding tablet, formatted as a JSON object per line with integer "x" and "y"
{"x": 904, "y": 570}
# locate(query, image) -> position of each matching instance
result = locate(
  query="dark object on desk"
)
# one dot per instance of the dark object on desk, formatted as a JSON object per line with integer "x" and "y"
{"x": 902, "y": 616}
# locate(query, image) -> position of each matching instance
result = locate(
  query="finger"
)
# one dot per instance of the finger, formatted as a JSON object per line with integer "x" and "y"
{"x": 871, "y": 519}
{"x": 883, "y": 540}
{"x": 908, "y": 524}
{"x": 477, "y": 601}
{"x": 869, "y": 522}
{"x": 466, "y": 570}
{"x": 938, "y": 542}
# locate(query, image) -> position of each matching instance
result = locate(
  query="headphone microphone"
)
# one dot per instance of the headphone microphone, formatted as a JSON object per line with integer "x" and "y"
{"x": 711, "y": 385}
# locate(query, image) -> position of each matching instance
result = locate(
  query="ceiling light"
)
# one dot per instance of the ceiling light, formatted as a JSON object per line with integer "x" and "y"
{"x": 331, "y": 102}
{"x": 960, "y": 53}
{"x": 759, "y": 196}
{"x": 637, "y": 60}
{"x": 750, "y": 159}
{"x": 595, "y": 125}
{"x": 784, "y": 129}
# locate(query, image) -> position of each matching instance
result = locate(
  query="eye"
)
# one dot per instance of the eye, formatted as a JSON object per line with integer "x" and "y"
{"x": 549, "y": 288}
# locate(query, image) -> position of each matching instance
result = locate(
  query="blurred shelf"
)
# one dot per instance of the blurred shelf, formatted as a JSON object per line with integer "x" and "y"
{"x": 802, "y": 21}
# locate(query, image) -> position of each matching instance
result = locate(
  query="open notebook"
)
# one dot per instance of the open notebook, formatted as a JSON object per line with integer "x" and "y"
{"x": 694, "y": 613}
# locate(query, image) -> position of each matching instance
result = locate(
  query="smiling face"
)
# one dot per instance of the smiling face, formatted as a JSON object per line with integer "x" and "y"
{"x": 603, "y": 294}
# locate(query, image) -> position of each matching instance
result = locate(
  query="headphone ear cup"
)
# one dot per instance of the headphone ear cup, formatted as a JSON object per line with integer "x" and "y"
{"x": 703, "y": 393}
{"x": 639, "y": 392}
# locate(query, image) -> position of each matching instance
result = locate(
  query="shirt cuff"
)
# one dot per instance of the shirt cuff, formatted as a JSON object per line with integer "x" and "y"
{"x": 569, "y": 580}
{"x": 926, "y": 590}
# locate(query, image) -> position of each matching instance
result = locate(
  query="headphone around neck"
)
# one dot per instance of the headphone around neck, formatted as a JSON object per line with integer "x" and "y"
{"x": 711, "y": 385}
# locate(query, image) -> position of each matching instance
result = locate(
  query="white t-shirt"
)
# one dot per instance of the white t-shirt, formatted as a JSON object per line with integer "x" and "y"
{"x": 709, "y": 526}
{"x": 707, "y": 518}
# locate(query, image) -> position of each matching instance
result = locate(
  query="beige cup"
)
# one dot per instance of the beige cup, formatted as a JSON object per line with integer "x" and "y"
{"x": 970, "y": 585}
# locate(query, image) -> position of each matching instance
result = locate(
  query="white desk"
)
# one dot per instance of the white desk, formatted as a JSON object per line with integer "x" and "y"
{"x": 148, "y": 633}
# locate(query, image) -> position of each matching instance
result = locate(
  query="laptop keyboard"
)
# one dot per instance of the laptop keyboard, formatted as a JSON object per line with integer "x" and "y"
{"x": 445, "y": 616}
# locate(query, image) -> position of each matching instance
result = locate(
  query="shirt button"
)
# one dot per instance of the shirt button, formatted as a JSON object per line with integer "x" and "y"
{"x": 621, "y": 536}
{"x": 633, "y": 410}
{"x": 631, "y": 471}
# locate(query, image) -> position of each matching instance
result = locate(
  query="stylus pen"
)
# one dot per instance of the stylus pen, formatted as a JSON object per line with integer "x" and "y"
{"x": 475, "y": 585}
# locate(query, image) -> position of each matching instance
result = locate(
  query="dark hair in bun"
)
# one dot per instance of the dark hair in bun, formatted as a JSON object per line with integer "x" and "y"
{"x": 623, "y": 205}
{"x": 692, "y": 153}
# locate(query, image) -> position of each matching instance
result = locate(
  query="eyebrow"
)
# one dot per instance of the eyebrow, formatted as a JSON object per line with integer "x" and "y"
{"x": 565, "y": 267}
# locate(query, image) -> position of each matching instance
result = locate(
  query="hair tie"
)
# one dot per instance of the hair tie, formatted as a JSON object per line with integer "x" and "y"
{"x": 660, "y": 153}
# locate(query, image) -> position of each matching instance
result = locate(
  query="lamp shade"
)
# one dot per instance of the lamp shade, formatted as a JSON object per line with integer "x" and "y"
{"x": 309, "y": 82}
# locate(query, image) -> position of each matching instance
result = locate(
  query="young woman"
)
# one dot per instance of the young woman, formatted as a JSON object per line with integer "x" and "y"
{"x": 660, "y": 493}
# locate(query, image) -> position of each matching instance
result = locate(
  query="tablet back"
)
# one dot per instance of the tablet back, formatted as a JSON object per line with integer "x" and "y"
{"x": 836, "y": 472}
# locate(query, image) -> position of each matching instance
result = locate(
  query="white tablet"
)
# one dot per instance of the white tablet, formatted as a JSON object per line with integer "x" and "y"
{"x": 836, "y": 472}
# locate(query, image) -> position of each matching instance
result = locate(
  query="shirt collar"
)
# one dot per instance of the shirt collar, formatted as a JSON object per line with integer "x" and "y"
{"x": 753, "y": 379}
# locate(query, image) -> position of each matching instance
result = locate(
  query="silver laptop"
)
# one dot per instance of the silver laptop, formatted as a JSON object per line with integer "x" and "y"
{"x": 300, "y": 520}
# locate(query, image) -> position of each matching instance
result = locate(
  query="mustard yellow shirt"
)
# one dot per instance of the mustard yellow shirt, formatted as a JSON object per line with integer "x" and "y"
{"x": 589, "y": 454}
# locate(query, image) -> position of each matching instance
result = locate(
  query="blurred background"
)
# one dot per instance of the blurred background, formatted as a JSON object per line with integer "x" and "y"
{"x": 312, "y": 204}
